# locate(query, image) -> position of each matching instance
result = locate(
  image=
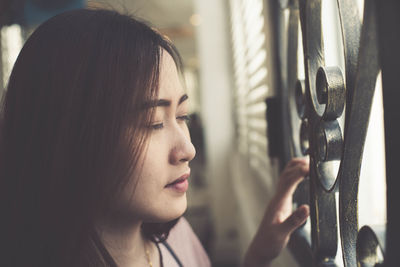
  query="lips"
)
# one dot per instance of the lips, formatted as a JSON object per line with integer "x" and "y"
{"x": 180, "y": 185}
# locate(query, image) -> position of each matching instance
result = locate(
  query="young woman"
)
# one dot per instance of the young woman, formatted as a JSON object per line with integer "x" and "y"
{"x": 95, "y": 152}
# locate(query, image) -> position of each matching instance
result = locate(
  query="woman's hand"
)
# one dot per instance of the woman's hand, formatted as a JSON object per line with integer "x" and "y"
{"x": 279, "y": 221}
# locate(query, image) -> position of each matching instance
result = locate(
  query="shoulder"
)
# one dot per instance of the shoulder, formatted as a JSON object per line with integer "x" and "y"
{"x": 186, "y": 245}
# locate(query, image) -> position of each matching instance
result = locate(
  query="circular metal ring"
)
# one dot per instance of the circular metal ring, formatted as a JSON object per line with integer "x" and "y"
{"x": 331, "y": 91}
{"x": 327, "y": 151}
{"x": 329, "y": 138}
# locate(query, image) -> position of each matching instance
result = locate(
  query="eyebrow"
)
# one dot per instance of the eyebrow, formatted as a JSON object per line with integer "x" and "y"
{"x": 163, "y": 102}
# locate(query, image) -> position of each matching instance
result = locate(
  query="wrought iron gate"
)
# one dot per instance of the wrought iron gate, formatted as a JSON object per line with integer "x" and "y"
{"x": 316, "y": 107}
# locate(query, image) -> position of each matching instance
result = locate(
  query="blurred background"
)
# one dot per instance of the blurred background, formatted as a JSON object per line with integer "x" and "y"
{"x": 228, "y": 48}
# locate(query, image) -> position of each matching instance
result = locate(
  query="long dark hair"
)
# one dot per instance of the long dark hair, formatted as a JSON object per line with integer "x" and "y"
{"x": 73, "y": 127}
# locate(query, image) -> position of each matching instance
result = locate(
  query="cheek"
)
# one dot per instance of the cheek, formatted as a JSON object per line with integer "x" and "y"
{"x": 156, "y": 156}
{"x": 140, "y": 196}
{"x": 149, "y": 179}
{"x": 145, "y": 197}
{"x": 150, "y": 172}
{"x": 150, "y": 201}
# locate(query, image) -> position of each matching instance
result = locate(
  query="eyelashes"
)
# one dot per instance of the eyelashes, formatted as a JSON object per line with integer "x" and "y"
{"x": 157, "y": 126}
{"x": 183, "y": 119}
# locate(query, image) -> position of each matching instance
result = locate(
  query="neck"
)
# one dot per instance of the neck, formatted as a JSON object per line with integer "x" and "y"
{"x": 125, "y": 242}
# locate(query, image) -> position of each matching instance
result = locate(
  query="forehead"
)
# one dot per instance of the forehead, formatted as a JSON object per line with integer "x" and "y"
{"x": 170, "y": 83}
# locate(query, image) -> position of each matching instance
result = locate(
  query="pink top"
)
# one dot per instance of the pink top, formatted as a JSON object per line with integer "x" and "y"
{"x": 186, "y": 246}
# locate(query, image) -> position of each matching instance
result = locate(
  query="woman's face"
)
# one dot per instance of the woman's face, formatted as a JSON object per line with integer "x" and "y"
{"x": 163, "y": 172}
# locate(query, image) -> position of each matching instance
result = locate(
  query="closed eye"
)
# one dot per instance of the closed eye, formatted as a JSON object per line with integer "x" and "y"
{"x": 183, "y": 118}
{"x": 157, "y": 126}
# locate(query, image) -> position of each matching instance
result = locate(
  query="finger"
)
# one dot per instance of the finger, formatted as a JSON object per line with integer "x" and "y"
{"x": 295, "y": 161}
{"x": 292, "y": 177}
{"x": 298, "y": 217}
{"x": 299, "y": 172}
{"x": 296, "y": 170}
{"x": 294, "y": 167}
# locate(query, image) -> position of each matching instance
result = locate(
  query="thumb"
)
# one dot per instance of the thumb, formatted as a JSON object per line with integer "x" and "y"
{"x": 298, "y": 217}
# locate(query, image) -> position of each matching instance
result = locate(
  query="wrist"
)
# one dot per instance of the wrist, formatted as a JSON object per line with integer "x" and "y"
{"x": 256, "y": 256}
{"x": 252, "y": 262}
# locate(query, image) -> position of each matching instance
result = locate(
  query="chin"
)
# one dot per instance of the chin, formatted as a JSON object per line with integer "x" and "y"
{"x": 175, "y": 209}
{"x": 168, "y": 210}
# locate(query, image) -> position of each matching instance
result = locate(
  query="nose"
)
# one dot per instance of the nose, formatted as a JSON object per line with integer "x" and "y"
{"x": 182, "y": 150}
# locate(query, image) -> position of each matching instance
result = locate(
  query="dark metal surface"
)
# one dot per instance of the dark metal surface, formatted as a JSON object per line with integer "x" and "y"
{"x": 389, "y": 42}
{"x": 274, "y": 129}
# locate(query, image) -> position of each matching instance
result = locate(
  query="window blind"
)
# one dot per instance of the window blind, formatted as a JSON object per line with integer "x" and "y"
{"x": 249, "y": 57}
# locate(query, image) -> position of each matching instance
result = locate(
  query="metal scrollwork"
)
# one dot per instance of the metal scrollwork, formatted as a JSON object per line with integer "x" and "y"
{"x": 325, "y": 98}
{"x": 371, "y": 246}
{"x": 331, "y": 91}
{"x": 322, "y": 203}
{"x": 355, "y": 132}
